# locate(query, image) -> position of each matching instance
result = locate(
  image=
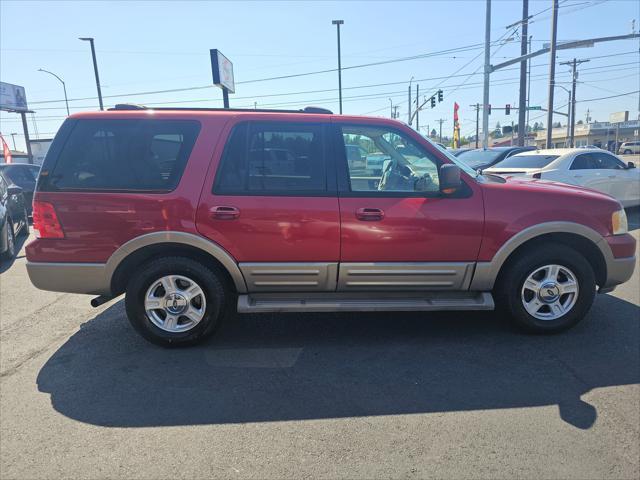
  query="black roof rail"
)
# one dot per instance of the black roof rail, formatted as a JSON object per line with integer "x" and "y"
{"x": 130, "y": 106}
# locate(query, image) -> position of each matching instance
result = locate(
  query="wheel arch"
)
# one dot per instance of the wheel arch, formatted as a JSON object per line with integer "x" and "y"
{"x": 123, "y": 261}
{"x": 583, "y": 239}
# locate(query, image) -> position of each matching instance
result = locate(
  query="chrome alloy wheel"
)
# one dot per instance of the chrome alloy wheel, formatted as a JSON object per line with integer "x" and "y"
{"x": 549, "y": 292}
{"x": 175, "y": 303}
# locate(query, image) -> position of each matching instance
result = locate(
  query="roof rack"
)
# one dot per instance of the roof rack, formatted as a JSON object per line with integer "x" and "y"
{"x": 131, "y": 106}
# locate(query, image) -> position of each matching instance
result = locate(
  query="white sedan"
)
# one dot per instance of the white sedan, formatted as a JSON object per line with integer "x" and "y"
{"x": 591, "y": 168}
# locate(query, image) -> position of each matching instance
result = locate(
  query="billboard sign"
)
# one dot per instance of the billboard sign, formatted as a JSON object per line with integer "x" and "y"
{"x": 222, "y": 71}
{"x": 12, "y": 98}
{"x": 619, "y": 117}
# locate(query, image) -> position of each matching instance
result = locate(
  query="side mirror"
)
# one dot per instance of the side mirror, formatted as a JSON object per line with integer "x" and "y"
{"x": 14, "y": 190}
{"x": 631, "y": 165}
{"x": 449, "y": 178}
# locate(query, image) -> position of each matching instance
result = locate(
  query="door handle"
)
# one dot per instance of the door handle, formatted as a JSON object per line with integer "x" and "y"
{"x": 369, "y": 214}
{"x": 224, "y": 212}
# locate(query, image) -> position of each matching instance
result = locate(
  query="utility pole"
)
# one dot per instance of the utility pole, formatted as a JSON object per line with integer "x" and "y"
{"x": 487, "y": 72}
{"x": 522, "y": 104}
{"x": 574, "y": 65}
{"x": 95, "y": 68}
{"x": 552, "y": 69}
{"x": 391, "y": 107}
{"x": 13, "y": 139}
{"x": 440, "y": 121}
{"x": 417, "y": 108}
{"x": 337, "y": 23}
{"x": 477, "y": 107}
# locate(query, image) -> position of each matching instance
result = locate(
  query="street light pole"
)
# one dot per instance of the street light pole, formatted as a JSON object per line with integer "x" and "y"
{"x": 95, "y": 68}
{"x": 337, "y": 23}
{"x": 409, "y": 104}
{"x": 552, "y": 69}
{"x": 13, "y": 139}
{"x": 64, "y": 87}
{"x": 487, "y": 72}
{"x": 391, "y": 102}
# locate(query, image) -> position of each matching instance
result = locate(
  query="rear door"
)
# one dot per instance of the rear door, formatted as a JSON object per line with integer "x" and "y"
{"x": 398, "y": 231}
{"x": 623, "y": 182}
{"x": 271, "y": 202}
{"x": 585, "y": 171}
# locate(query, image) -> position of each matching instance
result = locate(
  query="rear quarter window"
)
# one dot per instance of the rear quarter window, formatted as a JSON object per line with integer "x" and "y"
{"x": 124, "y": 155}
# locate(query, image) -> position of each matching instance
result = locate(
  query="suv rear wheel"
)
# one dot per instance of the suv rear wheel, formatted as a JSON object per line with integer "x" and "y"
{"x": 548, "y": 289}
{"x": 174, "y": 301}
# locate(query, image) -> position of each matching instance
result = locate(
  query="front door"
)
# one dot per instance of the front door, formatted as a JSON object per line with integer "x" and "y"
{"x": 398, "y": 232}
{"x": 273, "y": 206}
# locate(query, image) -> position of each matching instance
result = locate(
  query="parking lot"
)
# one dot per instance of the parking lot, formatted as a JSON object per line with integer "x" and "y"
{"x": 349, "y": 395}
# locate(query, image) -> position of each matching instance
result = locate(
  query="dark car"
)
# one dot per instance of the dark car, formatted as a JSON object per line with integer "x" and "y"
{"x": 458, "y": 151}
{"x": 23, "y": 175}
{"x": 480, "y": 159}
{"x": 13, "y": 217}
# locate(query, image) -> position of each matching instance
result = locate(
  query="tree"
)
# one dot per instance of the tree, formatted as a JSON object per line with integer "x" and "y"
{"x": 580, "y": 122}
{"x": 434, "y": 133}
{"x": 557, "y": 125}
{"x": 497, "y": 133}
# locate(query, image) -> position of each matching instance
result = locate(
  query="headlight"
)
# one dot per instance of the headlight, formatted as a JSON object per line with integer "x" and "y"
{"x": 619, "y": 222}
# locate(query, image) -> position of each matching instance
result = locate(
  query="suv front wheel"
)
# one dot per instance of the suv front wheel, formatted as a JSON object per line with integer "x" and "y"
{"x": 174, "y": 301}
{"x": 548, "y": 289}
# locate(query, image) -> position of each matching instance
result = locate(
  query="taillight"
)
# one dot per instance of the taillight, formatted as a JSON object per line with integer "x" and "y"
{"x": 45, "y": 221}
{"x": 537, "y": 175}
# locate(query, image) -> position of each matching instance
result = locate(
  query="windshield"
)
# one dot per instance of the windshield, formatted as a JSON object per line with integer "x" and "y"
{"x": 526, "y": 161}
{"x": 463, "y": 166}
{"x": 477, "y": 158}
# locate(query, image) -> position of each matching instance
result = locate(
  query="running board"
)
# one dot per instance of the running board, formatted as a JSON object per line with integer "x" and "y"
{"x": 337, "y": 302}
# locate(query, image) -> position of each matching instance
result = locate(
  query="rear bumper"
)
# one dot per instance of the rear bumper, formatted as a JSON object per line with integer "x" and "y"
{"x": 88, "y": 278}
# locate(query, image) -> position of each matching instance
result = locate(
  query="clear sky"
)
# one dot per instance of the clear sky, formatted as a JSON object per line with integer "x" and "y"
{"x": 151, "y": 45}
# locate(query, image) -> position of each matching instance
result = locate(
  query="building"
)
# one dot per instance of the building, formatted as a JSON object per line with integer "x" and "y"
{"x": 601, "y": 134}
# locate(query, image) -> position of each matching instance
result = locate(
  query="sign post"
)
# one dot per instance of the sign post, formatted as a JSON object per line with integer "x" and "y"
{"x": 617, "y": 118}
{"x": 222, "y": 70}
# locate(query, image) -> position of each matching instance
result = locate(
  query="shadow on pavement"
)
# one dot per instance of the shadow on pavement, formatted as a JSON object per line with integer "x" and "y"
{"x": 20, "y": 241}
{"x": 263, "y": 368}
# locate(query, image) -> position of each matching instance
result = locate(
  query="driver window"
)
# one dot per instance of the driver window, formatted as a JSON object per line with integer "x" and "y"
{"x": 382, "y": 160}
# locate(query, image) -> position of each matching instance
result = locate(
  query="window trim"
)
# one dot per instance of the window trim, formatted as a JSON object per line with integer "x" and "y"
{"x": 43, "y": 182}
{"x": 343, "y": 176}
{"x": 331, "y": 188}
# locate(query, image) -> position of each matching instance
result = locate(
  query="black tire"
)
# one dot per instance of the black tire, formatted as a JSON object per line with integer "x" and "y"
{"x": 10, "y": 242}
{"x": 218, "y": 299}
{"x": 628, "y": 152}
{"x": 25, "y": 230}
{"x": 508, "y": 291}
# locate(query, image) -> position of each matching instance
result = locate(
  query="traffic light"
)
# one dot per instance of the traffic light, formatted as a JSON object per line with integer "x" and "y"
{"x": 440, "y": 96}
{"x": 433, "y": 102}
{"x": 507, "y": 109}
{"x": 489, "y": 109}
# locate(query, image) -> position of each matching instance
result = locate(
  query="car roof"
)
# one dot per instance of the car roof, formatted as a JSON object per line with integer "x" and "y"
{"x": 560, "y": 151}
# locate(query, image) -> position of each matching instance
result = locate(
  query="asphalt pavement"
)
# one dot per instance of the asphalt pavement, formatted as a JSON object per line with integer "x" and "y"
{"x": 396, "y": 395}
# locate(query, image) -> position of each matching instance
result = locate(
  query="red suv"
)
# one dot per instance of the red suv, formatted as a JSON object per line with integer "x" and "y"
{"x": 195, "y": 213}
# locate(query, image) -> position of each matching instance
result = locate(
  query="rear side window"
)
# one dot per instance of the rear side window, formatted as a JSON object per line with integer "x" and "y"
{"x": 124, "y": 155}
{"x": 275, "y": 158}
{"x": 21, "y": 176}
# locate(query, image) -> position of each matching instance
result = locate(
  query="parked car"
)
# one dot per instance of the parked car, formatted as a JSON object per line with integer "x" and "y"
{"x": 629, "y": 148}
{"x": 24, "y": 175}
{"x": 480, "y": 159}
{"x": 13, "y": 217}
{"x": 180, "y": 211}
{"x": 356, "y": 156}
{"x": 458, "y": 151}
{"x": 597, "y": 169}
